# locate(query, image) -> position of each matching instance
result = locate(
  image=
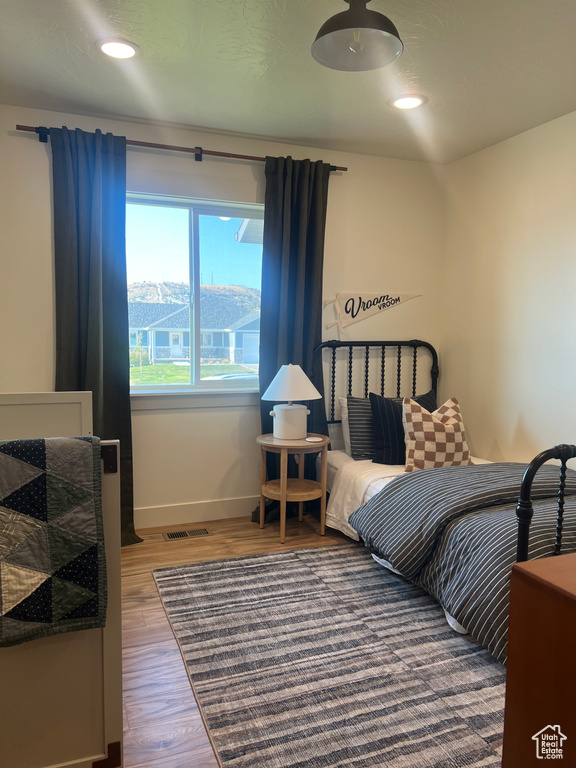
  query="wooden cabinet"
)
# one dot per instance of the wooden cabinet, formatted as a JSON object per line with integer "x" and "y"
{"x": 541, "y": 676}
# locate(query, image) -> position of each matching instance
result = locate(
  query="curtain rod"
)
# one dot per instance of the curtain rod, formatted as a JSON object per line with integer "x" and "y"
{"x": 198, "y": 152}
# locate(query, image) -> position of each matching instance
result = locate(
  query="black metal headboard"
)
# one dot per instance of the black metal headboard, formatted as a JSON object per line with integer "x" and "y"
{"x": 524, "y": 510}
{"x": 379, "y": 363}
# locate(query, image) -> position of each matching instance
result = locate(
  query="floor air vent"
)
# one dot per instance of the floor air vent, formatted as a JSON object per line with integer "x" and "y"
{"x": 194, "y": 533}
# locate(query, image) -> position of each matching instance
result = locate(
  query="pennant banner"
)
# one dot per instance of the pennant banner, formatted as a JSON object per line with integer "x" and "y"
{"x": 352, "y": 307}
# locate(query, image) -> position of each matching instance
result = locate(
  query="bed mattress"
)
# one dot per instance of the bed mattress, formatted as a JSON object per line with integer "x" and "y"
{"x": 351, "y": 483}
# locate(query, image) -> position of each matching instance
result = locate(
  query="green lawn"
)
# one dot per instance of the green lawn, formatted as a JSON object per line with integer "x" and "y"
{"x": 168, "y": 373}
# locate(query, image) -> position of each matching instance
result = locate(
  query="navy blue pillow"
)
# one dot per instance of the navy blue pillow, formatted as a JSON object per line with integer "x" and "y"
{"x": 389, "y": 446}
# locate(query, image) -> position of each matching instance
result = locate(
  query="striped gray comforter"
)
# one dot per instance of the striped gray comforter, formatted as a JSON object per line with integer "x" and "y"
{"x": 453, "y": 532}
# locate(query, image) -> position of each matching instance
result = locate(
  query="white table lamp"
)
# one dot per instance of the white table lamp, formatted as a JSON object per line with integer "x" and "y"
{"x": 290, "y": 383}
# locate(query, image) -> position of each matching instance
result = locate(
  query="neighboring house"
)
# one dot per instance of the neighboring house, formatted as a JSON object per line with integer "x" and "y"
{"x": 162, "y": 330}
{"x": 245, "y": 338}
{"x": 228, "y": 334}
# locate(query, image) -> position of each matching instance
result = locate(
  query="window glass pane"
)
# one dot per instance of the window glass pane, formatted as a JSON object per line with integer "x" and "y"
{"x": 230, "y": 265}
{"x": 193, "y": 340}
{"x": 158, "y": 266}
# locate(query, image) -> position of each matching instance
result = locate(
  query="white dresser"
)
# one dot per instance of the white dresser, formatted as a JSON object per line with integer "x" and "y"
{"x": 61, "y": 702}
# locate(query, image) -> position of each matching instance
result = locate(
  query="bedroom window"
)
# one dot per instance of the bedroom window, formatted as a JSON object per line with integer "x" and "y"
{"x": 194, "y": 274}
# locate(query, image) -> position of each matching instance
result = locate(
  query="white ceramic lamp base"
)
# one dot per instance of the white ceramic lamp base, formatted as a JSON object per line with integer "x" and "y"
{"x": 290, "y": 421}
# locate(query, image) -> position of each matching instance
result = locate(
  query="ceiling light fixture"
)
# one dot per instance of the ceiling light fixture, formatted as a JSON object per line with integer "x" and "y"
{"x": 357, "y": 40}
{"x": 118, "y": 49}
{"x": 407, "y": 101}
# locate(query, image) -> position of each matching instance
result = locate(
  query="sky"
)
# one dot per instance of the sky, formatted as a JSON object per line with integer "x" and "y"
{"x": 157, "y": 248}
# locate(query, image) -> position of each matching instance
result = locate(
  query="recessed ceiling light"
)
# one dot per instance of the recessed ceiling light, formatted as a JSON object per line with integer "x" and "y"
{"x": 407, "y": 102}
{"x": 118, "y": 49}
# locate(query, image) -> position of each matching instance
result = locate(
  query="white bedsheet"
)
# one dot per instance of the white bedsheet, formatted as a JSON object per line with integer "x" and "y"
{"x": 336, "y": 460}
{"x": 352, "y": 483}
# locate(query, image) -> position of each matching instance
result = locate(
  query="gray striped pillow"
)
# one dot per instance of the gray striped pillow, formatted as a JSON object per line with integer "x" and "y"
{"x": 360, "y": 427}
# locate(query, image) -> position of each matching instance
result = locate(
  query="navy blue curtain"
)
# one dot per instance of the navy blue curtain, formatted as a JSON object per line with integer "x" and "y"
{"x": 292, "y": 267}
{"x": 92, "y": 344}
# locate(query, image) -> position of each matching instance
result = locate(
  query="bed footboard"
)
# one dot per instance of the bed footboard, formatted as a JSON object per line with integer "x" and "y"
{"x": 524, "y": 510}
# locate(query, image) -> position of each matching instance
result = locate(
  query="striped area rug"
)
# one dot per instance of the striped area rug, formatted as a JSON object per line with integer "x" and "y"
{"x": 318, "y": 658}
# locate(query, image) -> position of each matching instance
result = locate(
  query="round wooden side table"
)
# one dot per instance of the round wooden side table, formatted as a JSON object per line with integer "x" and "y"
{"x": 293, "y": 488}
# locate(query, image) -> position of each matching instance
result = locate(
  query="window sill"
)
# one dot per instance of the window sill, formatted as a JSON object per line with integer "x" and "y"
{"x": 187, "y": 400}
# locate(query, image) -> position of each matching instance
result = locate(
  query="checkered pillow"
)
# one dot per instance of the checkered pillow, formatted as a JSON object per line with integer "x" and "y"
{"x": 434, "y": 439}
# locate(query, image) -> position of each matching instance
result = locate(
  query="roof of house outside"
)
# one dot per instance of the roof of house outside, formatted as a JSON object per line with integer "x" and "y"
{"x": 148, "y": 316}
{"x": 219, "y": 310}
{"x": 250, "y": 322}
{"x": 217, "y": 313}
{"x": 165, "y": 306}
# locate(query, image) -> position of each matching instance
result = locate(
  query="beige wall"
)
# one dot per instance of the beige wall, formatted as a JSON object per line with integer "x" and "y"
{"x": 493, "y": 258}
{"x": 510, "y": 292}
{"x": 197, "y": 459}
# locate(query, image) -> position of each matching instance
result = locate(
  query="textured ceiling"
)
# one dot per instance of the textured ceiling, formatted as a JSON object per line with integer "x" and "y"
{"x": 490, "y": 68}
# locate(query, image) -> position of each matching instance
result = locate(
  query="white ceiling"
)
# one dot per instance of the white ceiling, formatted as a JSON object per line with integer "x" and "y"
{"x": 490, "y": 68}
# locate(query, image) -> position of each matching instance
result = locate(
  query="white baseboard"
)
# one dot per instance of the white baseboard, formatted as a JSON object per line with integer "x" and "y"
{"x": 194, "y": 512}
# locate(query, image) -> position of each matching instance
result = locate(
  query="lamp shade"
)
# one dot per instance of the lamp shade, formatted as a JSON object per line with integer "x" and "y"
{"x": 357, "y": 40}
{"x": 291, "y": 383}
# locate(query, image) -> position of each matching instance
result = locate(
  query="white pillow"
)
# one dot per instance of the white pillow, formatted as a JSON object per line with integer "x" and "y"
{"x": 343, "y": 403}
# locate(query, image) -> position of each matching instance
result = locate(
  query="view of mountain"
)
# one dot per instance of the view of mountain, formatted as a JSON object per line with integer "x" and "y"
{"x": 178, "y": 293}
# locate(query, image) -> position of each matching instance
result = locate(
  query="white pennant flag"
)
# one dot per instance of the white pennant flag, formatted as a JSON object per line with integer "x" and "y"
{"x": 352, "y": 307}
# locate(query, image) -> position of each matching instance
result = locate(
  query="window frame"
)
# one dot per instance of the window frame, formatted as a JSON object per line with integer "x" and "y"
{"x": 196, "y": 208}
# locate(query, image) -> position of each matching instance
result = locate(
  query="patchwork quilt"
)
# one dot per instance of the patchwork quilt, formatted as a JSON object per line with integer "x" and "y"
{"x": 52, "y": 559}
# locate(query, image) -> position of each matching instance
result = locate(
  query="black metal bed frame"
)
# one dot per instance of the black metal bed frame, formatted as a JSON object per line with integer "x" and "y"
{"x": 525, "y": 510}
{"x": 370, "y": 348}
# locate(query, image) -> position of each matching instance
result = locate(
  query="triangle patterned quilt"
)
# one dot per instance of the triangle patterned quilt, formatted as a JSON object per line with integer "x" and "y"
{"x": 52, "y": 560}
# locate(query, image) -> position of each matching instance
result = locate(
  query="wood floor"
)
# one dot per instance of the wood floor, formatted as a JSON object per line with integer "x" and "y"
{"x": 162, "y": 725}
